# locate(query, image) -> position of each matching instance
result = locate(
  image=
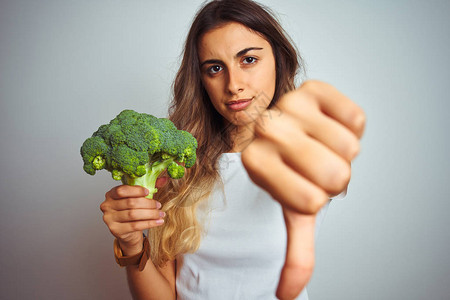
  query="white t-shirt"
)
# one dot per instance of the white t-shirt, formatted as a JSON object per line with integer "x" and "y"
{"x": 243, "y": 251}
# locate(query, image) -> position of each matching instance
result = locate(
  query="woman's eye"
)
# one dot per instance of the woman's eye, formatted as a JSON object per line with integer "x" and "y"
{"x": 249, "y": 60}
{"x": 214, "y": 69}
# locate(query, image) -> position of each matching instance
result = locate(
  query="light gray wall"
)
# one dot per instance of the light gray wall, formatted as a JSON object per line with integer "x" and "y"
{"x": 68, "y": 66}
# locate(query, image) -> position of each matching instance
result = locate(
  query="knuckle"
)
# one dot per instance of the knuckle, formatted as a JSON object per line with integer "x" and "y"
{"x": 121, "y": 191}
{"x": 269, "y": 124}
{"x": 313, "y": 84}
{"x": 357, "y": 119}
{"x": 132, "y": 214}
{"x": 131, "y": 202}
{"x": 302, "y": 103}
{"x": 350, "y": 150}
{"x": 338, "y": 179}
{"x": 105, "y": 219}
{"x": 103, "y": 207}
{"x": 278, "y": 129}
{"x": 313, "y": 201}
{"x": 353, "y": 150}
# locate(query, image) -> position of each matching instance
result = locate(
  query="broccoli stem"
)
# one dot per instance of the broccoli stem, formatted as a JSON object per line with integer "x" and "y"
{"x": 149, "y": 179}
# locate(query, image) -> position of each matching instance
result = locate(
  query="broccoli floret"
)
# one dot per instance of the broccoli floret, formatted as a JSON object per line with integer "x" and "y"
{"x": 137, "y": 147}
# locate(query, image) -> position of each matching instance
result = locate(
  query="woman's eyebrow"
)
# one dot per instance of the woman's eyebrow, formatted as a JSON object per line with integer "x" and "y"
{"x": 244, "y": 51}
{"x": 239, "y": 54}
{"x": 211, "y": 61}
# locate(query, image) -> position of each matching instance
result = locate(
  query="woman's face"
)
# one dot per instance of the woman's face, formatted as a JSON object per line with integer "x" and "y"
{"x": 238, "y": 72}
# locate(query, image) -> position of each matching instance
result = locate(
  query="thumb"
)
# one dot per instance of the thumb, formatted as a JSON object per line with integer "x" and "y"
{"x": 299, "y": 264}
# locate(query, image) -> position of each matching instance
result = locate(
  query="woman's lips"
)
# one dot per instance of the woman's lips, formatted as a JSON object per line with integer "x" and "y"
{"x": 239, "y": 104}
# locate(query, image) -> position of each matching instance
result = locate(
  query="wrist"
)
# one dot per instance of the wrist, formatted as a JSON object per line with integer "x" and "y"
{"x": 137, "y": 259}
{"x": 131, "y": 248}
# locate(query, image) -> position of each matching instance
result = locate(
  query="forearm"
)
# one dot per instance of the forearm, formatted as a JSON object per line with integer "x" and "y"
{"x": 149, "y": 283}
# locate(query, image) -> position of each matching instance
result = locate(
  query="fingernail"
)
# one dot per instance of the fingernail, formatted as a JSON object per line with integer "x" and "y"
{"x": 162, "y": 214}
{"x": 158, "y": 205}
{"x": 146, "y": 191}
{"x": 159, "y": 221}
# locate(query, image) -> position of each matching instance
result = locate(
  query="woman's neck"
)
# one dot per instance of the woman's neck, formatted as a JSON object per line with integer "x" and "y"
{"x": 242, "y": 136}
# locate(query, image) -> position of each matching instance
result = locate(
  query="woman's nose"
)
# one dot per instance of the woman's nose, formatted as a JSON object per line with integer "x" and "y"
{"x": 235, "y": 81}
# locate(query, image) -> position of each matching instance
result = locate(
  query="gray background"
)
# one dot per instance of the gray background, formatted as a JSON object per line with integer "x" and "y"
{"x": 69, "y": 66}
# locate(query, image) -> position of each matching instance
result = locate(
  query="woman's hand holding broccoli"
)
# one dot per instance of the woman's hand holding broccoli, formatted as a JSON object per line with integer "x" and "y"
{"x": 127, "y": 213}
{"x": 307, "y": 142}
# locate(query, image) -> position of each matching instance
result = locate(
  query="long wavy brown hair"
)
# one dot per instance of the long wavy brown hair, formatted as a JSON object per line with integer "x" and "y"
{"x": 191, "y": 110}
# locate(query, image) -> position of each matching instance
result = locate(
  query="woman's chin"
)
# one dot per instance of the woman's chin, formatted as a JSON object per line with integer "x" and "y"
{"x": 243, "y": 119}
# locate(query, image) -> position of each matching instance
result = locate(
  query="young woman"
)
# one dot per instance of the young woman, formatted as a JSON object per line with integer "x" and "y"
{"x": 217, "y": 233}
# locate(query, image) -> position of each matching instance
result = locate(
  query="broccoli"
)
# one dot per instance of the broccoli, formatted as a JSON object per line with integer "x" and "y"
{"x": 137, "y": 147}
